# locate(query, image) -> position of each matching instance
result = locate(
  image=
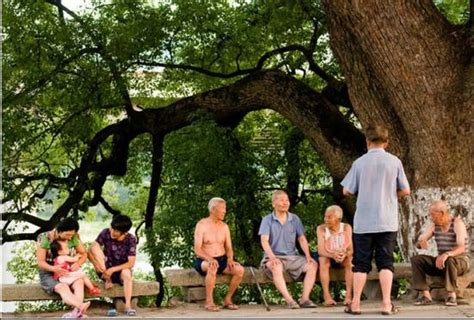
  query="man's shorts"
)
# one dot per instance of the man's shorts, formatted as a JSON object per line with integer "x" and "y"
{"x": 293, "y": 265}
{"x": 222, "y": 261}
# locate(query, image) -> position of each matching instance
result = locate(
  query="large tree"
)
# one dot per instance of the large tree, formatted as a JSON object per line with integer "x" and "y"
{"x": 80, "y": 87}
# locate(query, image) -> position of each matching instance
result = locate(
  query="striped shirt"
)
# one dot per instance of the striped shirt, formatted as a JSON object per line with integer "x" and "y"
{"x": 446, "y": 241}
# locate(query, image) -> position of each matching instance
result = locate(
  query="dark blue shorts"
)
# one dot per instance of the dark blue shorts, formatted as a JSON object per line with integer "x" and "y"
{"x": 222, "y": 261}
{"x": 369, "y": 245}
{"x": 334, "y": 264}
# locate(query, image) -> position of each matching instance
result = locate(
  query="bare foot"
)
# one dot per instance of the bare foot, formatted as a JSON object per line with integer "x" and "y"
{"x": 84, "y": 307}
{"x": 108, "y": 284}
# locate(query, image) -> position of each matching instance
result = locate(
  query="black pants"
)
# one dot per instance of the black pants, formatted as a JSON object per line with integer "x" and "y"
{"x": 423, "y": 265}
{"x": 368, "y": 245}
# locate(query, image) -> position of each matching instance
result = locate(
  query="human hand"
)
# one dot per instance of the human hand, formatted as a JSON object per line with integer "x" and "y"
{"x": 272, "y": 262}
{"x": 59, "y": 270}
{"x": 230, "y": 264}
{"x": 440, "y": 260}
{"x": 422, "y": 244}
{"x": 107, "y": 274}
{"x": 213, "y": 264}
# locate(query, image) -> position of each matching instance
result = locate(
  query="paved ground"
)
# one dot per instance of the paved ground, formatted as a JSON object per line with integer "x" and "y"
{"x": 369, "y": 310}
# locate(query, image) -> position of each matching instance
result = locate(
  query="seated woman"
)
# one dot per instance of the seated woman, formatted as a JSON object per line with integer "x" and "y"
{"x": 335, "y": 250}
{"x": 72, "y": 294}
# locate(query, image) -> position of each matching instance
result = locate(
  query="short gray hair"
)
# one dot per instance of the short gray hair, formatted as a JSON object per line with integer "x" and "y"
{"x": 441, "y": 205}
{"x": 213, "y": 202}
{"x": 336, "y": 209}
{"x": 278, "y": 193}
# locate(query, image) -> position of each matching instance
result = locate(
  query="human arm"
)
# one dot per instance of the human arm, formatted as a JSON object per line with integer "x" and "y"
{"x": 348, "y": 236}
{"x": 322, "y": 248}
{"x": 43, "y": 265}
{"x": 461, "y": 234}
{"x": 228, "y": 249}
{"x": 304, "y": 246}
{"x": 107, "y": 274}
{"x": 423, "y": 238}
{"x": 403, "y": 192}
{"x": 80, "y": 253}
{"x": 265, "y": 242}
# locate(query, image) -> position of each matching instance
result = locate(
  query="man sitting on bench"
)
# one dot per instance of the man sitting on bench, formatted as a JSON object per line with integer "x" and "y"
{"x": 213, "y": 248}
{"x": 453, "y": 258}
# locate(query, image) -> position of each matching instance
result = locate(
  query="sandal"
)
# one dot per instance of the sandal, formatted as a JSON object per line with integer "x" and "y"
{"x": 230, "y": 306}
{"x": 422, "y": 301}
{"x": 308, "y": 304}
{"x": 94, "y": 292}
{"x": 212, "y": 308}
{"x": 451, "y": 302}
{"x": 330, "y": 304}
{"x": 131, "y": 312}
{"x": 293, "y": 305}
{"x": 112, "y": 313}
{"x": 393, "y": 310}
{"x": 349, "y": 310}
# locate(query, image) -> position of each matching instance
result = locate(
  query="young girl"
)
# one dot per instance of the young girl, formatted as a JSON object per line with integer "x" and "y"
{"x": 61, "y": 257}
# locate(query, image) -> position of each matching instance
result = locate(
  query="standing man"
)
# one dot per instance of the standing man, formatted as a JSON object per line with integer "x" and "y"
{"x": 213, "y": 248}
{"x": 377, "y": 179}
{"x": 453, "y": 253}
{"x": 115, "y": 261}
{"x": 278, "y": 233}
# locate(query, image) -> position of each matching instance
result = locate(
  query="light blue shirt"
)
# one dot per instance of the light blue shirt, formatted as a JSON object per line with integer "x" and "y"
{"x": 375, "y": 178}
{"x": 282, "y": 237}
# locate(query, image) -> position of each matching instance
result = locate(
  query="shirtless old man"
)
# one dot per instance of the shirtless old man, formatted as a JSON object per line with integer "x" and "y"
{"x": 213, "y": 248}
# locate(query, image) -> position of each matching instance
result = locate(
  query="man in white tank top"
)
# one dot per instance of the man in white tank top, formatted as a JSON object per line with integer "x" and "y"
{"x": 335, "y": 250}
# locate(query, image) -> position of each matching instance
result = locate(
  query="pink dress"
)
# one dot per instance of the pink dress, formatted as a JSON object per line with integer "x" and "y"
{"x": 71, "y": 276}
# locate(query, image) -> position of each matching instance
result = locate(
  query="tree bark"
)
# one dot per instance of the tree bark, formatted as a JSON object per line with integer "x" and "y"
{"x": 408, "y": 68}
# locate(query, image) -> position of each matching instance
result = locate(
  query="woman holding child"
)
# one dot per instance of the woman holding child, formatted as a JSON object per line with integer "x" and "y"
{"x": 65, "y": 242}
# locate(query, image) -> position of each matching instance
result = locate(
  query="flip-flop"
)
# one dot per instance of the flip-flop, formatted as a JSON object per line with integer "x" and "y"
{"x": 422, "y": 301}
{"x": 394, "y": 310}
{"x": 308, "y": 304}
{"x": 212, "y": 308}
{"x": 329, "y": 305}
{"x": 131, "y": 312}
{"x": 112, "y": 313}
{"x": 230, "y": 306}
{"x": 349, "y": 310}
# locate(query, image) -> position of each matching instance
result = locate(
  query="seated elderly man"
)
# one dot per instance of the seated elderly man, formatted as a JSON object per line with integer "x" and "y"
{"x": 453, "y": 253}
{"x": 335, "y": 250}
{"x": 213, "y": 248}
{"x": 278, "y": 234}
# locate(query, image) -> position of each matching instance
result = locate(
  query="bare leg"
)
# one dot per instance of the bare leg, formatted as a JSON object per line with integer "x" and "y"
{"x": 386, "y": 278}
{"x": 97, "y": 257}
{"x": 67, "y": 295}
{"x": 237, "y": 275}
{"x": 324, "y": 266}
{"x": 348, "y": 275}
{"x": 279, "y": 281}
{"x": 210, "y": 282}
{"x": 88, "y": 283}
{"x": 126, "y": 276}
{"x": 359, "y": 282}
{"x": 309, "y": 279}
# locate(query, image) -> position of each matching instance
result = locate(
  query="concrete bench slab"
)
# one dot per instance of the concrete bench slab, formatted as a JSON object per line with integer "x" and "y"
{"x": 33, "y": 292}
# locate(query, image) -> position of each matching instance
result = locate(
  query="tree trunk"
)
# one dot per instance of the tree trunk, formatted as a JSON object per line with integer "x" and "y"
{"x": 408, "y": 68}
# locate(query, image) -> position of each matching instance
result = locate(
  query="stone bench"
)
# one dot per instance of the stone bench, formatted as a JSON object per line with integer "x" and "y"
{"x": 34, "y": 292}
{"x": 192, "y": 283}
